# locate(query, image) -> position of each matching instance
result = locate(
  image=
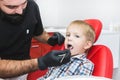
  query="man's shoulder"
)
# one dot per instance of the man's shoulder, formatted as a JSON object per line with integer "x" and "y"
{"x": 32, "y": 6}
{"x": 32, "y": 2}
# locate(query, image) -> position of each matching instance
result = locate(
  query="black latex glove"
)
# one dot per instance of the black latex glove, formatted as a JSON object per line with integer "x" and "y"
{"x": 57, "y": 38}
{"x": 54, "y": 58}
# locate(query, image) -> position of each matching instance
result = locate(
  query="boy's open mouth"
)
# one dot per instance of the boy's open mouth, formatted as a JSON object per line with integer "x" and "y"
{"x": 69, "y": 46}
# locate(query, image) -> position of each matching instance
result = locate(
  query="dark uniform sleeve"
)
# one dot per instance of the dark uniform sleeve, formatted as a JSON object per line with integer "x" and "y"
{"x": 39, "y": 26}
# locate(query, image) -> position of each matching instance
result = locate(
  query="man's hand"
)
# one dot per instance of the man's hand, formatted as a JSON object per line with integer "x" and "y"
{"x": 54, "y": 58}
{"x": 57, "y": 38}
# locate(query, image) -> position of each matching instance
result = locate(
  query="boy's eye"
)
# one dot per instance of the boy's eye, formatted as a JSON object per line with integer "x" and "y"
{"x": 67, "y": 35}
{"x": 77, "y": 36}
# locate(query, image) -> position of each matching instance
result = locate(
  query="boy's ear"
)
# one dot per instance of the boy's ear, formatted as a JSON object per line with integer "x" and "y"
{"x": 88, "y": 45}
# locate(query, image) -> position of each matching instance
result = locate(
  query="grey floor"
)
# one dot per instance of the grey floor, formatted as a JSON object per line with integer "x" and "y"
{"x": 116, "y": 74}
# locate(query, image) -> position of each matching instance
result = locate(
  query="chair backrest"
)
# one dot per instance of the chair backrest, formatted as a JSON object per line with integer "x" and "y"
{"x": 100, "y": 55}
{"x": 97, "y": 26}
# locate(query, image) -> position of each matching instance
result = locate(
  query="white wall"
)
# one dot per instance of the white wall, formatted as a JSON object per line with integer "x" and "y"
{"x": 49, "y": 12}
{"x": 62, "y": 12}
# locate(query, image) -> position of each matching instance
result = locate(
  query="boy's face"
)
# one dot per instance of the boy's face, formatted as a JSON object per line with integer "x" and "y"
{"x": 75, "y": 40}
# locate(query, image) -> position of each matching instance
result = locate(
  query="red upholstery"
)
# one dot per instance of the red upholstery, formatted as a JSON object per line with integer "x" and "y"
{"x": 97, "y": 26}
{"x": 100, "y": 55}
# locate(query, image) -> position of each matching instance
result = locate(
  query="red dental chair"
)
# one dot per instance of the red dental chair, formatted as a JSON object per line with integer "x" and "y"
{"x": 100, "y": 55}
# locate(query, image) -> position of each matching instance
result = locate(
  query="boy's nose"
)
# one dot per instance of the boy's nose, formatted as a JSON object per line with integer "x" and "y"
{"x": 69, "y": 38}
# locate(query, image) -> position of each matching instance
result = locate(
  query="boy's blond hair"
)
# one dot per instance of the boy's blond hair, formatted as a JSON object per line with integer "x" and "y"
{"x": 89, "y": 32}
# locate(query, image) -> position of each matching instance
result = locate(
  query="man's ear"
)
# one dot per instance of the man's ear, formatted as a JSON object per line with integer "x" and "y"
{"x": 88, "y": 45}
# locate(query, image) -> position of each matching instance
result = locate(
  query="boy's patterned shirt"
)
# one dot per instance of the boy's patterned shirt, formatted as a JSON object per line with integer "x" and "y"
{"x": 78, "y": 65}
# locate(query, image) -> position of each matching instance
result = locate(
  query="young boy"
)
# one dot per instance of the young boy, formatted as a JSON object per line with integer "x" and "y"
{"x": 79, "y": 38}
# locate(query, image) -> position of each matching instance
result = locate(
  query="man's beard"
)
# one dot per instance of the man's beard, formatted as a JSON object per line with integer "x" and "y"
{"x": 12, "y": 18}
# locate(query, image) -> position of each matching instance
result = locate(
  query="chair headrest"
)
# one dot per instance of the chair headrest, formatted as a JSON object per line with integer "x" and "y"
{"x": 97, "y": 26}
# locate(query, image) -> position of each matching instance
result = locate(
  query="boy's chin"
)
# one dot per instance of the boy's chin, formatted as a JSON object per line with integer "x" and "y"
{"x": 72, "y": 53}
